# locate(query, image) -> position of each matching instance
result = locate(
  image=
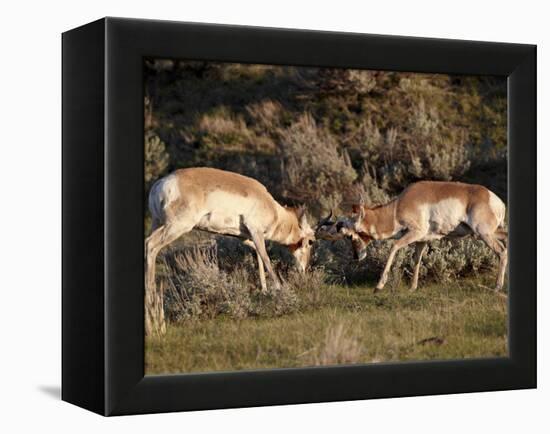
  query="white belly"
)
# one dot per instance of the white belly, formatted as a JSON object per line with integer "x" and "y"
{"x": 444, "y": 218}
{"x": 222, "y": 223}
{"x": 227, "y": 213}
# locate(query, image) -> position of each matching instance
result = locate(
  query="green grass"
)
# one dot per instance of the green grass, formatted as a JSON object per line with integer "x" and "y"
{"x": 339, "y": 324}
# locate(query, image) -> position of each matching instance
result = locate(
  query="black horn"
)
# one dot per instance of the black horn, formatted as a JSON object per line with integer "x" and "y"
{"x": 324, "y": 220}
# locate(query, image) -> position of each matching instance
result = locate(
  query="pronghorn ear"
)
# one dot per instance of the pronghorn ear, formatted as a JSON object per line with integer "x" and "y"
{"x": 301, "y": 215}
{"x": 303, "y": 220}
{"x": 359, "y": 210}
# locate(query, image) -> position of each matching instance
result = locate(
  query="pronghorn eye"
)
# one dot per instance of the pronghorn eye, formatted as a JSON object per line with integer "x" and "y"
{"x": 310, "y": 242}
{"x": 339, "y": 226}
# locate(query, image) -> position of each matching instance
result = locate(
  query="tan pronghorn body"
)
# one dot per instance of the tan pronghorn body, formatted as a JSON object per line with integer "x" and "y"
{"x": 426, "y": 211}
{"x": 223, "y": 203}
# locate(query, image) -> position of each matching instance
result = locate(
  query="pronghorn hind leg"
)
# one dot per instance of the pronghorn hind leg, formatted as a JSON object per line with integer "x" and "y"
{"x": 155, "y": 223}
{"x": 154, "y": 317}
{"x": 151, "y": 254}
{"x": 160, "y": 238}
{"x": 502, "y": 236}
{"x": 419, "y": 251}
{"x": 497, "y": 246}
{"x": 259, "y": 244}
{"x": 408, "y": 238}
{"x": 261, "y": 270}
{"x": 154, "y": 309}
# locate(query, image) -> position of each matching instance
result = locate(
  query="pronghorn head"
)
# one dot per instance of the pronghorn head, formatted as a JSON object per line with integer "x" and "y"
{"x": 301, "y": 250}
{"x": 325, "y": 229}
{"x": 359, "y": 239}
{"x": 345, "y": 227}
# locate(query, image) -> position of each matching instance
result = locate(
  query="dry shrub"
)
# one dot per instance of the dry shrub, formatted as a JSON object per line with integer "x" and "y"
{"x": 223, "y": 132}
{"x": 315, "y": 166}
{"x": 311, "y": 286}
{"x": 241, "y": 72}
{"x": 274, "y": 302}
{"x": 339, "y": 347}
{"x": 200, "y": 284}
{"x": 422, "y": 143}
{"x": 362, "y": 81}
{"x": 368, "y": 191}
{"x": 446, "y": 260}
{"x": 156, "y": 157}
{"x": 445, "y": 162}
{"x": 344, "y": 82}
{"x": 266, "y": 114}
{"x": 366, "y": 139}
{"x": 343, "y": 269}
{"x": 306, "y": 282}
{"x": 223, "y": 127}
{"x": 436, "y": 150}
{"x": 197, "y": 287}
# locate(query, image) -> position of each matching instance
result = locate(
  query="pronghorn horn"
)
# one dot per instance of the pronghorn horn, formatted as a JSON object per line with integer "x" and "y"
{"x": 325, "y": 220}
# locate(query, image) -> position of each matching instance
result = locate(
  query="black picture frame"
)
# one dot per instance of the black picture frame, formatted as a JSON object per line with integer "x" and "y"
{"x": 103, "y": 191}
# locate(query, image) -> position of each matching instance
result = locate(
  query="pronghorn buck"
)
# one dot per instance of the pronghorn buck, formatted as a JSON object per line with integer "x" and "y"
{"x": 225, "y": 203}
{"x": 425, "y": 211}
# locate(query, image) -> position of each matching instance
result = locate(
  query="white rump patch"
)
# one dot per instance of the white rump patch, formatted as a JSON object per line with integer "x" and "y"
{"x": 498, "y": 207}
{"x": 163, "y": 192}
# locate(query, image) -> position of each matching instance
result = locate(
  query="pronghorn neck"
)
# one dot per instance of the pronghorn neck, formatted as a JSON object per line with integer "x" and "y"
{"x": 287, "y": 229}
{"x": 379, "y": 223}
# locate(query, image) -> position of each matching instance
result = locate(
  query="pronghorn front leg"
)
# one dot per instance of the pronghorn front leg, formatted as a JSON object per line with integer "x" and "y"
{"x": 261, "y": 270}
{"x": 419, "y": 251}
{"x": 408, "y": 238}
{"x": 259, "y": 244}
{"x": 502, "y": 252}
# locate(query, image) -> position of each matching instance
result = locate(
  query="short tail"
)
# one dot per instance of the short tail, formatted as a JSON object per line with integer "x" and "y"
{"x": 156, "y": 201}
{"x": 502, "y": 235}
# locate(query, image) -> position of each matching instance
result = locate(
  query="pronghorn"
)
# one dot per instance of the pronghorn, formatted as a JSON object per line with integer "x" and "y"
{"x": 425, "y": 211}
{"x": 225, "y": 203}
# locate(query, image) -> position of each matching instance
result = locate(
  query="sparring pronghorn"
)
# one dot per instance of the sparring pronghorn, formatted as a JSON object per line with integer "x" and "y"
{"x": 225, "y": 203}
{"x": 425, "y": 211}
